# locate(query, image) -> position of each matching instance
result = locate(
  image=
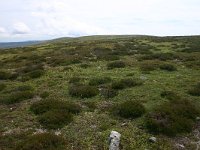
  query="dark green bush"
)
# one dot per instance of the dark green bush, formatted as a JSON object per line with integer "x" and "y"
{"x": 16, "y": 97}
{"x": 43, "y": 141}
{"x": 195, "y": 91}
{"x": 99, "y": 81}
{"x": 54, "y": 114}
{"x": 36, "y": 73}
{"x": 44, "y": 94}
{"x": 55, "y": 119}
{"x": 24, "y": 88}
{"x": 148, "y": 66}
{"x": 2, "y": 86}
{"x": 126, "y": 83}
{"x": 170, "y": 95}
{"x": 43, "y": 106}
{"x": 129, "y": 109}
{"x": 168, "y": 67}
{"x": 84, "y": 65}
{"x": 74, "y": 80}
{"x": 4, "y": 75}
{"x": 118, "y": 85}
{"x": 83, "y": 91}
{"x": 91, "y": 105}
{"x": 108, "y": 92}
{"x": 173, "y": 117}
{"x": 116, "y": 64}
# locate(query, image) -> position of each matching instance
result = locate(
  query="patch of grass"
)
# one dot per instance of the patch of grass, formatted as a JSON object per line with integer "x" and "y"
{"x": 116, "y": 64}
{"x": 2, "y": 86}
{"x": 126, "y": 83}
{"x": 195, "y": 91}
{"x": 168, "y": 67}
{"x": 43, "y": 141}
{"x": 173, "y": 117}
{"x": 108, "y": 92}
{"x": 129, "y": 109}
{"x": 54, "y": 114}
{"x": 74, "y": 80}
{"x": 148, "y": 66}
{"x": 43, "y": 106}
{"x": 5, "y": 75}
{"x": 55, "y": 119}
{"x": 99, "y": 81}
{"x": 44, "y": 94}
{"x": 35, "y": 74}
{"x": 83, "y": 91}
{"x": 170, "y": 95}
{"x": 91, "y": 105}
{"x": 17, "y": 95}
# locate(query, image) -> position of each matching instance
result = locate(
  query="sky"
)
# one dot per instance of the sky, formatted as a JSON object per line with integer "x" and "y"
{"x": 22, "y": 20}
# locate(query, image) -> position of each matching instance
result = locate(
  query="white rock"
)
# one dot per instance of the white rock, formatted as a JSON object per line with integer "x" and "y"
{"x": 153, "y": 139}
{"x": 180, "y": 146}
{"x": 114, "y": 140}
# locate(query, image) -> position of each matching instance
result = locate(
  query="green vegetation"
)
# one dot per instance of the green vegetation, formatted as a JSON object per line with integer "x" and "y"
{"x": 171, "y": 118}
{"x": 116, "y": 64}
{"x": 2, "y": 86}
{"x": 17, "y": 95}
{"x": 126, "y": 83}
{"x": 129, "y": 109}
{"x": 168, "y": 67}
{"x": 54, "y": 114}
{"x": 83, "y": 88}
{"x": 43, "y": 141}
{"x": 83, "y": 91}
{"x": 99, "y": 81}
{"x": 195, "y": 91}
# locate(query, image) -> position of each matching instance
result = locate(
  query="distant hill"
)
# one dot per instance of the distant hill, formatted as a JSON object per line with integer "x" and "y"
{"x": 18, "y": 44}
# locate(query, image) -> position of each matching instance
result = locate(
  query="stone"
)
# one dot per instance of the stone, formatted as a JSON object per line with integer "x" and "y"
{"x": 153, "y": 139}
{"x": 114, "y": 140}
{"x": 180, "y": 146}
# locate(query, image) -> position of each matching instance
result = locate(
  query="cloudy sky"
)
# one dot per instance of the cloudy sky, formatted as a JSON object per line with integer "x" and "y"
{"x": 22, "y": 20}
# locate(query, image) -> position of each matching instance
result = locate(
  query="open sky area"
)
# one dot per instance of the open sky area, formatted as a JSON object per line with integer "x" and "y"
{"x": 22, "y": 20}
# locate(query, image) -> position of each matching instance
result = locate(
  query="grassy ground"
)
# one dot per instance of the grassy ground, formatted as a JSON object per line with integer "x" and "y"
{"x": 87, "y": 59}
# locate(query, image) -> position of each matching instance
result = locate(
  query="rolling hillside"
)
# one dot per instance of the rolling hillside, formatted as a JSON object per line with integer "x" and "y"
{"x": 70, "y": 93}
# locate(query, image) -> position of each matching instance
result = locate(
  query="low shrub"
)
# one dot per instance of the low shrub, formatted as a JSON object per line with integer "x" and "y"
{"x": 2, "y": 86}
{"x": 43, "y": 106}
{"x": 44, "y": 94}
{"x": 84, "y": 65}
{"x": 108, "y": 92}
{"x": 91, "y": 105}
{"x": 195, "y": 91}
{"x": 170, "y": 95}
{"x": 4, "y": 75}
{"x": 129, "y": 109}
{"x": 16, "y": 97}
{"x": 172, "y": 117}
{"x": 24, "y": 88}
{"x": 83, "y": 91}
{"x": 43, "y": 141}
{"x": 74, "y": 80}
{"x": 126, "y": 83}
{"x": 99, "y": 81}
{"x": 55, "y": 119}
{"x": 54, "y": 114}
{"x": 35, "y": 74}
{"x": 168, "y": 67}
{"x": 148, "y": 66}
{"x": 116, "y": 64}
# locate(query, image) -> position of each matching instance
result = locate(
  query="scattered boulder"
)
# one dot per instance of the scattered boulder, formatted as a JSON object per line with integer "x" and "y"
{"x": 153, "y": 139}
{"x": 114, "y": 140}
